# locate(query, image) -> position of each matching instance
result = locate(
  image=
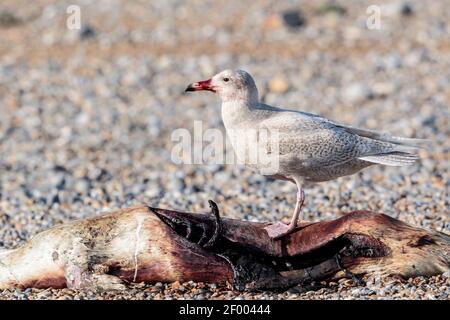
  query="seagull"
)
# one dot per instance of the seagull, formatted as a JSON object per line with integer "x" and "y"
{"x": 311, "y": 148}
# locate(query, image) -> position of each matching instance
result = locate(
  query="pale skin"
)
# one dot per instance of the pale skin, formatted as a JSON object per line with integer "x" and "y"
{"x": 279, "y": 229}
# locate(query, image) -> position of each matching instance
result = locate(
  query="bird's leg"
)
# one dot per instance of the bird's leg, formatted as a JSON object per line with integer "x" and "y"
{"x": 279, "y": 229}
{"x": 298, "y": 209}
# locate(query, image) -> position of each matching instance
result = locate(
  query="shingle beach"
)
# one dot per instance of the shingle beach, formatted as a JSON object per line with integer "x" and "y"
{"x": 87, "y": 117}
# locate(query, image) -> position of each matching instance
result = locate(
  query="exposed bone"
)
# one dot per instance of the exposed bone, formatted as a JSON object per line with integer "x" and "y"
{"x": 136, "y": 250}
{"x": 143, "y": 244}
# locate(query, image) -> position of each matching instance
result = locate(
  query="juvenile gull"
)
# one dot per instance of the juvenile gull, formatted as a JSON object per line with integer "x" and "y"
{"x": 311, "y": 148}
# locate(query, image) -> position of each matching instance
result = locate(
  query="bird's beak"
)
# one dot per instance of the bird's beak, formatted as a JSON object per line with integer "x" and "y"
{"x": 201, "y": 85}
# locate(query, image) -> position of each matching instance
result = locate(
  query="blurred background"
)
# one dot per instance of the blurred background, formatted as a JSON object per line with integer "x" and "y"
{"x": 87, "y": 114}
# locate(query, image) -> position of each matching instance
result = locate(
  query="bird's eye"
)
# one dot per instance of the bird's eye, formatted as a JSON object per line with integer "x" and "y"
{"x": 226, "y": 79}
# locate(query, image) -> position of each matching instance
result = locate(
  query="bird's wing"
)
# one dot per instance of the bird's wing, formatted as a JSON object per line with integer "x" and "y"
{"x": 321, "y": 142}
{"x": 373, "y": 134}
{"x": 387, "y": 137}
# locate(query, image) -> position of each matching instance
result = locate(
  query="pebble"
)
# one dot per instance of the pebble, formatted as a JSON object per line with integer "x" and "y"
{"x": 87, "y": 32}
{"x": 293, "y": 18}
{"x": 356, "y": 92}
{"x": 406, "y": 9}
{"x": 8, "y": 19}
{"x": 278, "y": 84}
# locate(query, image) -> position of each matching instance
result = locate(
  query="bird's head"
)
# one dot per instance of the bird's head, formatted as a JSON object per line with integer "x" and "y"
{"x": 230, "y": 85}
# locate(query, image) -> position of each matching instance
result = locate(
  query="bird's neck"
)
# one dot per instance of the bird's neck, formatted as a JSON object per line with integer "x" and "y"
{"x": 234, "y": 112}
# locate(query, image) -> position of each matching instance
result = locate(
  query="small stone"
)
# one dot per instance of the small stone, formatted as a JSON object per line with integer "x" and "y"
{"x": 356, "y": 92}
{"x": 406, "y": 9}
{"x": 332, "y": 8}
{"x": 393, "y": 61}
{"x": 356, "y": 292}
{"x": 87, "y": 32}
{"x": 383, "y": 89}
{"x": 176, "y": 285}
{"x": 82, "y": 186}
{"x": 273, "y": 22}
{"x": 293, "y": 18}
{"x": 353, "y": 33}
{"x": 8, "y": 19}
{"x": 279, "y": 84}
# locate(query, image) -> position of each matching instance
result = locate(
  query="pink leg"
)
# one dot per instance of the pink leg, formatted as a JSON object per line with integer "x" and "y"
{"x": 279, "y": 229}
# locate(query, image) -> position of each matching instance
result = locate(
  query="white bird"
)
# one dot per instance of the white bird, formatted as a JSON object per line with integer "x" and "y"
{"x": 311, "y": 148}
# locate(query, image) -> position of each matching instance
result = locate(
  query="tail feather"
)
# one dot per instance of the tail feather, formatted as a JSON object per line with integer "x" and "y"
{"x": 392, "y": 158}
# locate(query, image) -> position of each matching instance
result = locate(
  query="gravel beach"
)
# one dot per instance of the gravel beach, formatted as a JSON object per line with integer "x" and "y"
{"x": 87, "y": 117}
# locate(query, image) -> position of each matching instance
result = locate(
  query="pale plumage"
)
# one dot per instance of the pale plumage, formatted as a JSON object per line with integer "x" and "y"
{"x": 311, "y": 148}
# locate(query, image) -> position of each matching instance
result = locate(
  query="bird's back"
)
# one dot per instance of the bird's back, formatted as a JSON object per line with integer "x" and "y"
{"x": 317, "y": 149}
